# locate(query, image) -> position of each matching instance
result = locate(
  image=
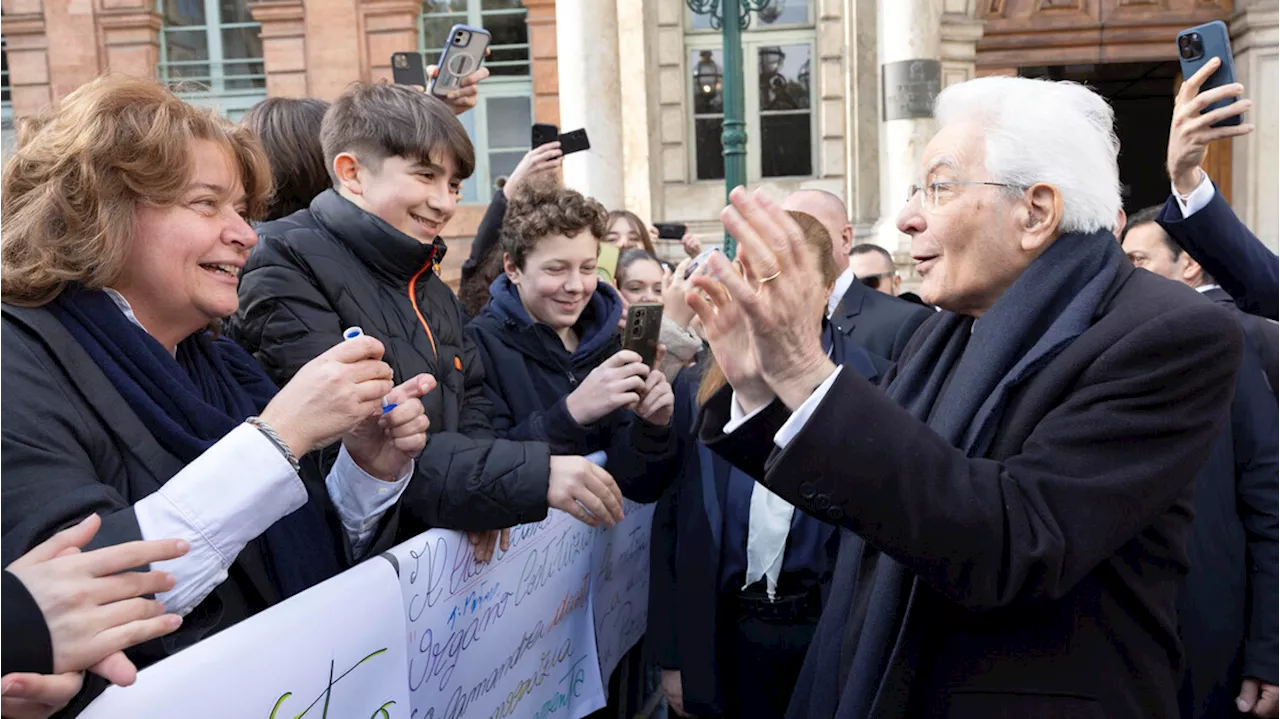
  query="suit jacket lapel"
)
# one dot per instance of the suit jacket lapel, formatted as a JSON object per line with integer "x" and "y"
{"x": 845, "y": 316}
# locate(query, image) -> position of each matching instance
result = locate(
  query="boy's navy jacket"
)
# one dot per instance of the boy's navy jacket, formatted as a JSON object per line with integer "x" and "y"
{"x": 529, "y": 373}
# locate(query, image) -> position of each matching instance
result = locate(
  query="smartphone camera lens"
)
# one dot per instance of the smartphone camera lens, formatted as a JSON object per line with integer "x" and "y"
{"x": 1191, "y": 46}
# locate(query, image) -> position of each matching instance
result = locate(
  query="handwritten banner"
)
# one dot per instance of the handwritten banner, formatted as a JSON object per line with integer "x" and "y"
{"x": 336, "y": 650}
{"x": 620, "y": 585}
{"x": 533, "y": 633}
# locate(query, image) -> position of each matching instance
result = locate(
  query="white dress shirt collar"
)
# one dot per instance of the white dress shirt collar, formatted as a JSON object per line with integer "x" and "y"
{"x": 843, "y": 282}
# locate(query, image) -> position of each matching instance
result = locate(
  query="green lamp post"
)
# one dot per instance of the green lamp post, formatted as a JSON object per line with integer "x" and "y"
{"x": 734, "y": 137}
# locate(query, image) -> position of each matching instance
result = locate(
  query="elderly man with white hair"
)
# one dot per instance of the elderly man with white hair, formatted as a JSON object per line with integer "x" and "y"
{"x": 1015, "y": 498}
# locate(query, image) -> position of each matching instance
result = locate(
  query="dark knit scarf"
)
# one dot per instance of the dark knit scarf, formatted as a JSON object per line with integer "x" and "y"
{"x": 959, "y": 381}
{"x": 188, "y": 402}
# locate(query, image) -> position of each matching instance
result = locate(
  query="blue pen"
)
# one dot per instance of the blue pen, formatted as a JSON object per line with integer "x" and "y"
{"x": 352, "y": 333}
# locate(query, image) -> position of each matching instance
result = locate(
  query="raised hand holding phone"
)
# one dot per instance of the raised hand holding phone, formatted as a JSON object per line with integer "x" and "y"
{"x": 1192, "y": 129}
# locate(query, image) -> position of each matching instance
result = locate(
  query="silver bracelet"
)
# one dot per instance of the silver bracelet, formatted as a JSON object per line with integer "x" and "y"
{"x": 270, "y": 434}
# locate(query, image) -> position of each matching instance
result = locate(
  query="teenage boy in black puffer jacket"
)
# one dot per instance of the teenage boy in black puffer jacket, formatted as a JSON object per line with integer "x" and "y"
{"x": 366, "y": 253}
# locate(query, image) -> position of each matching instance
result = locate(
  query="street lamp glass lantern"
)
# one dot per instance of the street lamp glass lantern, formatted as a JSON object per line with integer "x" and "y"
{"x": 707, "y": 74}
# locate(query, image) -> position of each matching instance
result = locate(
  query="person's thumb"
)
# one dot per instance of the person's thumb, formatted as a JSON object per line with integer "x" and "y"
{"x": 415, "y": 388}
{"x": 116, "y": 669}
{"x": 1248, "y": 696}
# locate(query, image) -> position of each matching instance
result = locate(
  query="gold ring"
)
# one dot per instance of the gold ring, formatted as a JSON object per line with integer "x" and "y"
{"x": 771, "y": 277}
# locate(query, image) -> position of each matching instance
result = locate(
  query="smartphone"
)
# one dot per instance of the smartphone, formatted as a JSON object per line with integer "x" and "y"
{"x": 409, "y": 68}
{"x": 640, "y": 334}
{"x": 699, "y": 261}
{"x": 1195, "y": 47}
{"x": 574, "y": 141}
{"x": 544, "y": 133}
{"x": 462, "y": 56}
{"x": 670, "y": 230}
{"x": 607, "y": 262}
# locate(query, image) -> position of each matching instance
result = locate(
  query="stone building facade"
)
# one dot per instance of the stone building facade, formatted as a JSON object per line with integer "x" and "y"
{"x": 643, "y": 77}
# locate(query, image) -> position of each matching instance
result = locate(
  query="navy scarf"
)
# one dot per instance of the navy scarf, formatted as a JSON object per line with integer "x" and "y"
{"x": 864, "y": 652}
{"x": 188, "y": 402}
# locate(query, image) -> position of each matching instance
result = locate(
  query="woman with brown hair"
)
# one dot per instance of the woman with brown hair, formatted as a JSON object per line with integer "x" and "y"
{"x": 626, "y": 230}
{"x": 741, "y": 590}
{"x": 289, "y": 129}
{"x": 125, "y": 223}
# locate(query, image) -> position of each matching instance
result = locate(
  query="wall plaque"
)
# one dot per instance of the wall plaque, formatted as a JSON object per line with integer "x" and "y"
{"x": 910, "y": 87}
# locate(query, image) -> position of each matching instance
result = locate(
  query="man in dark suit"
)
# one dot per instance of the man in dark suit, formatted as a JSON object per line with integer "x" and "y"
{"x": 881, "y": 324}
{"x": 1227, "y": 609}
{"x": 1197, "y": 216}
{"x": 1015, "y": 498}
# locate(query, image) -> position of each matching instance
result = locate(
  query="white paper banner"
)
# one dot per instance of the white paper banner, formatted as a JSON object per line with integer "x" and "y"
{"x": 336, "y": 650}
{"x": 525, "y": 635}
{"x": 509, "y": 638}
{"x": 620, "y": 589}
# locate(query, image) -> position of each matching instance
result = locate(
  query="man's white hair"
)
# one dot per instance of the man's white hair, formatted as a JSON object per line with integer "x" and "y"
{"x": 1041, "y": 131}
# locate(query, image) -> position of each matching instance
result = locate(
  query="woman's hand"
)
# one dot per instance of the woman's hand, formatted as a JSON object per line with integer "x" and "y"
{"x": 675, "y": 287}
{"x": 725, "y": 329}
{"x": 330, "y": 395}
{"x": 617, "y": 383}
{"x": 585, "y": 491}
{"x": 36, "y": 696}
{"x": 93, "y": 607}
{"x": 691, "y": 244}
{"x": 541, "y": 159}
{"x": 383, "y": 445}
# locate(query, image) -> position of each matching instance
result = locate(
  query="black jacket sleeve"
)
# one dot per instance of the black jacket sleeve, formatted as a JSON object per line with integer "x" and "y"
{"x": 642, "y": 457}
{"x": 488, "y": 235}
{"x": 28, "y": 647}
{"x": 1255, "y": 432}
{"x": 475, "y": 419}
{"x": 1225, "y": 247}
{"x": 988, "y": 533}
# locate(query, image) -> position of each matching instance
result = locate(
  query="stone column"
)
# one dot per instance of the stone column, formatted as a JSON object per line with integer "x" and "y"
{"x": 1255, "y": 176}
{"x": 389, "y": 26}
{"x": 907, "y": 30}
{"x": 590, "y": 96}
{"x": 334, "y": 47}
{"x": 284, "y": 45}
{"x": 130, "y": 37}
{"x": 637, "y": 38}
{"x": 74, "y": 61}
{"x": 862, "y": 117}
{"x": 543, "y": 60}
{"x": 28, "y": 51}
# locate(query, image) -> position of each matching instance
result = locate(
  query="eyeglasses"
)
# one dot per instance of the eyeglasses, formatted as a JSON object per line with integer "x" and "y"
{"x": 873, "y": 281}
{"x": 931, "y": 190}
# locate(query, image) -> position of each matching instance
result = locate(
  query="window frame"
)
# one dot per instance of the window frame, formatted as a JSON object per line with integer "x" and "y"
{"x": 230, "y": 103}
{"x": 496, "y": 86}
{"x": 6, "y": 107}
{"x": 752, "y": 41}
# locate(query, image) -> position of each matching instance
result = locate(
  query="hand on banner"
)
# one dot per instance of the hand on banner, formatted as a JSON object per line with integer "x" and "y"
{"x": 93, "y": 607}
{"x": 585, "y": 491}
{"x": 484, "y": 543}
{"x": 382, "y": 445}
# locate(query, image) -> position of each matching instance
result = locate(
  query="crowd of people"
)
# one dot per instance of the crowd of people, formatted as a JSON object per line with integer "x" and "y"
{"x": 1045, "y": 485}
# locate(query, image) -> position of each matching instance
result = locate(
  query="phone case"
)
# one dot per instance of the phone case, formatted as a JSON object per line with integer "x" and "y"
{"x": 462, "y": 56}
{"x": 543, "y": 133}
{"x": 670, "y": 230}
{"x": 574, "y": 141}
{"x": 640, "y": 334}
{"x": 409, "y": 68}
{"x": 607, "y": 261}
{"x": 1217, "y": 43}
